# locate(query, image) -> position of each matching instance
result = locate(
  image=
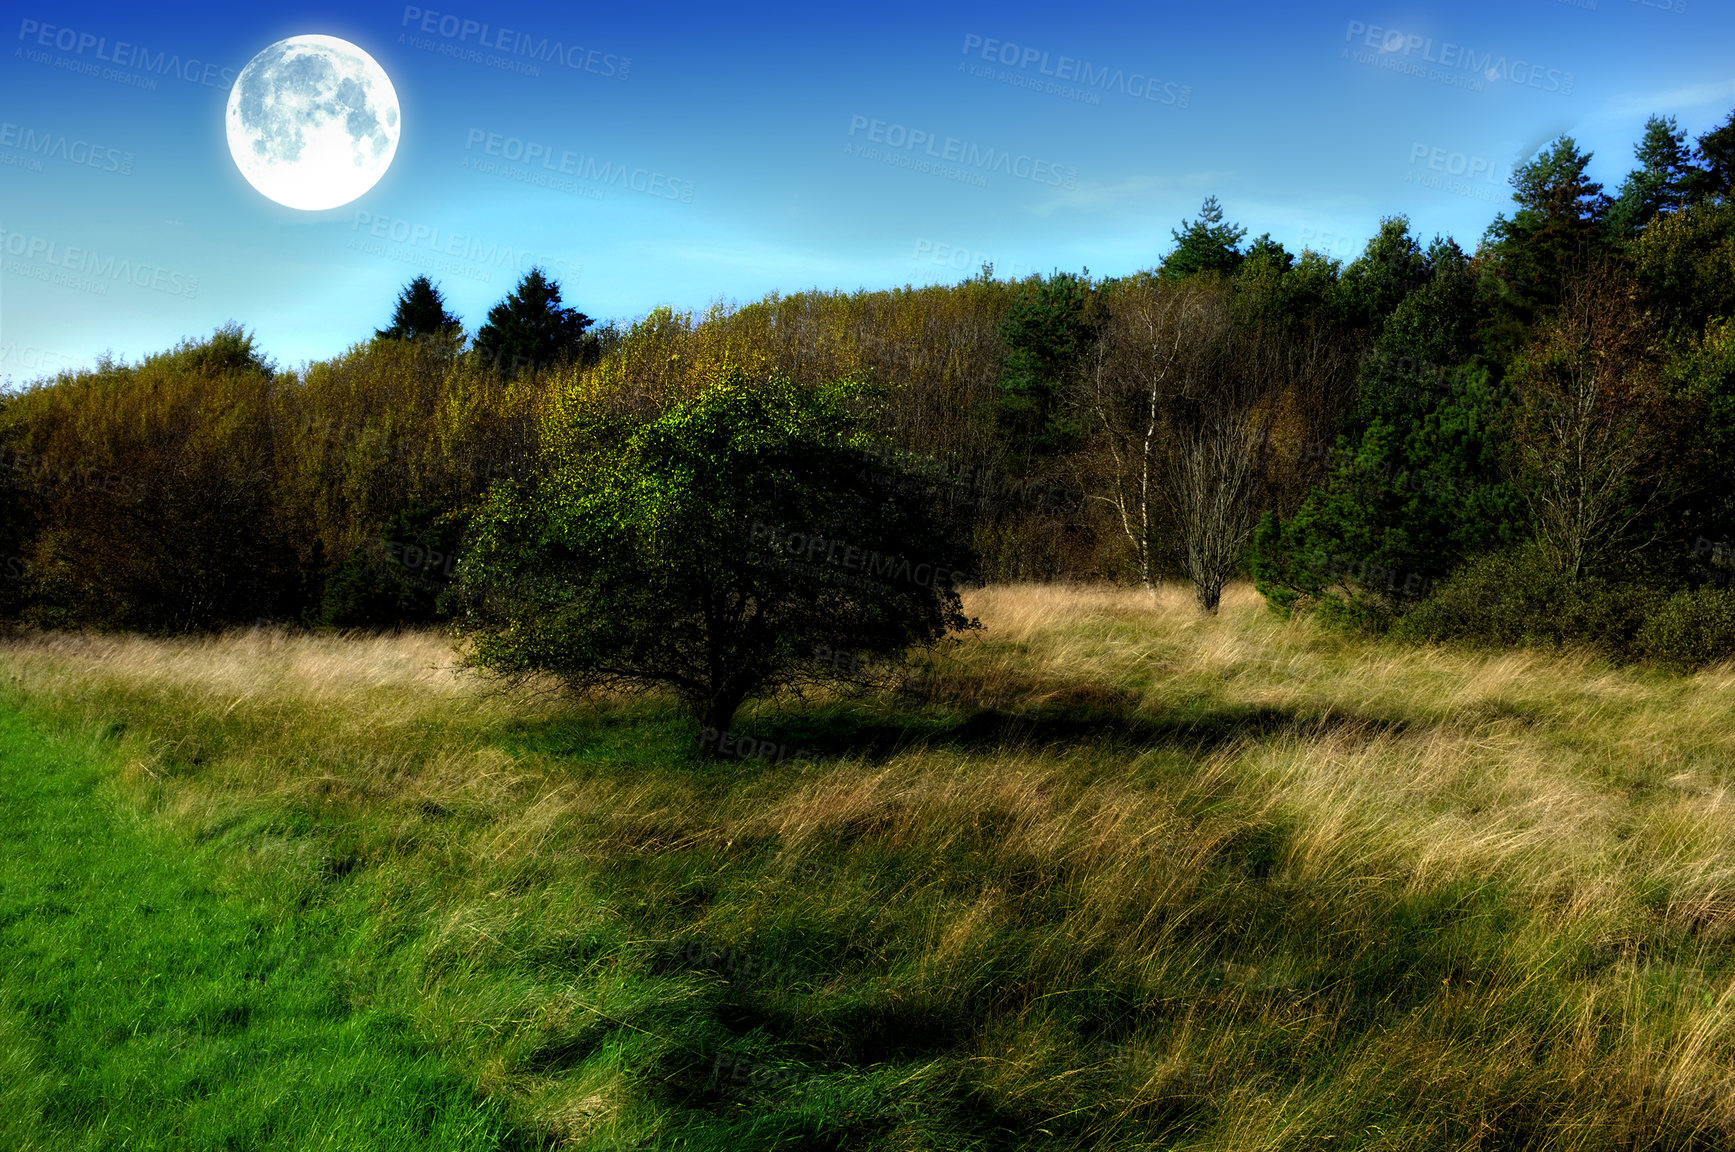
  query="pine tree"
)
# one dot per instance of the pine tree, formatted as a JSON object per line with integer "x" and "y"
{"x": 1715, "y": 179}
{"x": 1269, "y": 255}
{"x": 1205, "y": 245}
{"x": 1663, "y": 181}
{"x": 1048, "y": 334}
{"x": 1557, "y": 229}
{"x": 421, "y": 311}
{"x": 1382, "y": 277}
{"x": 1413, "y": 485}
{"x": 530, "y": 328}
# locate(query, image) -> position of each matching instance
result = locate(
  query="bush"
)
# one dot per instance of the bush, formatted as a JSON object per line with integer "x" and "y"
{"x": 1691, "y": 629}
{"x": 146, "y": 492}
{"x": 1514, "y": 597}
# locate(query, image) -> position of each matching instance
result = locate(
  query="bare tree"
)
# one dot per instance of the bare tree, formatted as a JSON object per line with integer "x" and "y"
{"x": 1138, "y": 357}
{"x": 1594, "y": 431}
{"x": 1184, "y": 398}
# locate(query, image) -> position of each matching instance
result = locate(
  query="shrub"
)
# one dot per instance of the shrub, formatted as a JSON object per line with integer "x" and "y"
{"x": 1515, "y": 596}
{"x": 1691, "y": 629}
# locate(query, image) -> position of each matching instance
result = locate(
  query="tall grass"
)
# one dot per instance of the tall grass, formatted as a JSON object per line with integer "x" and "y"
{"x": 1230, "y": 883}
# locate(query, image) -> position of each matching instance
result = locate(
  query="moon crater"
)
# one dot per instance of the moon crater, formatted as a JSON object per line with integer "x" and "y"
{"x": 313, "y": 122}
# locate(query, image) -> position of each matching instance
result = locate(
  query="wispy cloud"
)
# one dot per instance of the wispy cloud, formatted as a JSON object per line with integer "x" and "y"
{"x": 1692, "y": 96}
{"x": 1133, "y": 192}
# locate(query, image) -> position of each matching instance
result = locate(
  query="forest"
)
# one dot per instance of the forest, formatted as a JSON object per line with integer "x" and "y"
{"x": 1528, "y": 443}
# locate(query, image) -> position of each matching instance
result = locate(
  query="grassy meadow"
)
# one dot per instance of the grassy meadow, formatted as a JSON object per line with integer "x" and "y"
{"x": 1233, "y": 883}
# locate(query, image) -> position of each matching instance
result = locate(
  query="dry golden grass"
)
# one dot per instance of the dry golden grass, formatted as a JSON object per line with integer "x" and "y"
{"x": 1304, "y": 887}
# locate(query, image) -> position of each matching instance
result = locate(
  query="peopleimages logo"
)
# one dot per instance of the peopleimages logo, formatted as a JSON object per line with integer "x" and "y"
{"x": 1390, "y": 44}
{"x": 963, "y": 152}
{"x": 564, "y": 162}
{"x": 1079, "y": 72}
{"x": 87, "y": 269}
{"x": 458, "y": 30}
{"x": 125, "y": 55}
{"x": 57, "y": 146}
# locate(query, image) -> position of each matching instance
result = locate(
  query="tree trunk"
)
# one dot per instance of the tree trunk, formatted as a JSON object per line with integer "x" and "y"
{"x": 715, "y": 716}
{"x": 1209, "y": 597}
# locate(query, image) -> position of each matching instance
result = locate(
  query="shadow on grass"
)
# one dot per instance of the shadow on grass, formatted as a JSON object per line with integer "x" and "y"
{"x": 772, "y": 1015}
{"x": 781, "y": 735}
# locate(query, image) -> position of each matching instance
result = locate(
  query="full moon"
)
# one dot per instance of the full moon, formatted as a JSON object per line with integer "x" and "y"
{"x": 313, "y": 122}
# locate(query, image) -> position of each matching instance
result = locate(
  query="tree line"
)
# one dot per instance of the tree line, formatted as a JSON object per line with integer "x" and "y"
{"x": 1531, "y": 440}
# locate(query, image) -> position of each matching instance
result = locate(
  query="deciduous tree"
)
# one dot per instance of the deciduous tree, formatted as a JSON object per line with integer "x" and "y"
{"x": 711, "y": 554}
{"x": 1594, "y": 432}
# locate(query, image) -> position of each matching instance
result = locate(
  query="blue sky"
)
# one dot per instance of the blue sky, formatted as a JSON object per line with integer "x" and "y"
{"x": 782, "y": 147}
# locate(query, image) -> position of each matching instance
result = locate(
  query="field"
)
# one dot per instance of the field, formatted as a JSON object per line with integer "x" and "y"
{"x": 1229, "y": 883}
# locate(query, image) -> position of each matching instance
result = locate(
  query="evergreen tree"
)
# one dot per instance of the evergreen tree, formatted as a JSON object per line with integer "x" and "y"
{"x": 1048, "y": 332}
{"x": 1556, "y": 229}
{"x": 1413, "y": 487}
{"x": 1715, "y": 179}
{"x": 1267, "y": 253}
{"x": 1261, "y": 282}
{"x": 1205, "y": 245}
{"x": 1662, "y": 182}
{"x": 1377, "y": 281}
{"x": 421, "y": 311}
{"x": 1274, "y": 284}
{"x": 530, "y": 328}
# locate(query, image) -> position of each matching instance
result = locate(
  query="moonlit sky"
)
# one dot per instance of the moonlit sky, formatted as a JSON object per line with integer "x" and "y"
{"x": 734, "y": 123}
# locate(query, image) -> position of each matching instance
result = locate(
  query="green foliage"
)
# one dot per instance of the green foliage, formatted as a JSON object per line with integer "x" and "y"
{"x": 1049, "y": 331}
{"x": 1686, "y": 262}
{"x": 1702, "y": 374}
{"x": 1691, "y": 629}
{"x": 1274, "y": 285}
{"x": 1376, "y": 282}
{"x": 1426, "y": 347}
{"x": 1663, "y": 183}
{"x": 710, "y": 554}
{"x": 1556, "y": 232}
{"x": 1205, "y": 244}
{"x": 1414, "y": 485}
{"x": 530, "y": 328}
{"x": 1360, "y": 545}
{"x": 1516, "y": 596}
{"x": 148, "y": 491}
{"x": 420, "y": 314}
{"x": 204, "y": 488}
{"x": 1715, "y": 178}
{"x": 1264, "y": 251}
{"x": 396, "y": 579}
{"x": 1597, "y": 444}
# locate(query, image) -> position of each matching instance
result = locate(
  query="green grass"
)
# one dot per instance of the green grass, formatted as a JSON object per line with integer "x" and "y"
{"x": 1231, "y": 884}
{"x": 140, "y": 1008}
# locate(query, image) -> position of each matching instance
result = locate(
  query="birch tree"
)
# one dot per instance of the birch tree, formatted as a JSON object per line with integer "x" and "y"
{"x": 1184, "y": 398}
